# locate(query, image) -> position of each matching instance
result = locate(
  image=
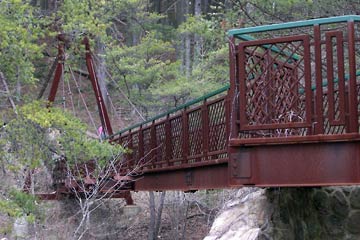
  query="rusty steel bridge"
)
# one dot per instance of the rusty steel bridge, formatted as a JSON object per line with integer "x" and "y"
{"x": 289, "y": 117}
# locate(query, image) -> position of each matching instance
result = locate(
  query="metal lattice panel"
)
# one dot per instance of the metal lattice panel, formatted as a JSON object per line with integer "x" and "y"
{"x": 134, "y": 155}
{"x": 176, "y": 138}
{"x": 160, "y": 143}
{"x": 195, "y": 133}
{"x": 147, "y": 146}
{"x": 217, "y": 126}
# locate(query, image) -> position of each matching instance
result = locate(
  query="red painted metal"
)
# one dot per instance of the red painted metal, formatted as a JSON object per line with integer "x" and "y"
{"x": 326, "y": 149}
{"x": 58, "y": 72}
{"x": 338, "y": 36}
{"x": 104, "y": 117}
{"x": 168, "y": 151}
{"x": 182, "y": 139}
{"x": 299, "y": 164}
{"x": 319, "y": 112}
{"x": 185, "y": 179}
{"x": 270, "y": 100}
{"x": 234, "y": 89}
{"x": 353, "y": 94}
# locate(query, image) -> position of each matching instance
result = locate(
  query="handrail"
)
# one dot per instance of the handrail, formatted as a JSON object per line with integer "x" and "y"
{"x": 182, "y": 106}
{"x": 280, "y": 26}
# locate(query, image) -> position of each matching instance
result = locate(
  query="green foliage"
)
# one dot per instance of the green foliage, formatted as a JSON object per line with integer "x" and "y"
{"x": 210, "y": 66}
{"x": 19, "y": 32}
{"x": 99, "y": 19}
{"x": 144, "y": 66}
{"x": 83, "y": 16}
{"x": 17, "y": 203}
{"x": 213, "y": 71}
{"x": 37, "y": 133}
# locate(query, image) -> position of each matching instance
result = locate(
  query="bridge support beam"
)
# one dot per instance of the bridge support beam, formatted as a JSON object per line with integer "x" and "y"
{"x": 301, "y": 164}
{"x": 186, "y": 179}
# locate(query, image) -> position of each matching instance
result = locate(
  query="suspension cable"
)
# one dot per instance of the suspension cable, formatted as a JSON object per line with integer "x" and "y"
{"x": 117, "y": 116}
{"x": 71, "y": 96}
{"x": 83, "y": 99}
{"x": 97, "y": 87}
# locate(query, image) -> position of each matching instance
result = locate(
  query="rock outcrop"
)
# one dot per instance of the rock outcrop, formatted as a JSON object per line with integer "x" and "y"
{"x": 290, "y": 213}
{"x": 243, "y": 217}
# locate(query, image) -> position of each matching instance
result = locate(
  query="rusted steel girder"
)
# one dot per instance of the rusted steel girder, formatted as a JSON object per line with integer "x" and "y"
{"x": 213, "y": 176}
{"x": 308, "y": 163}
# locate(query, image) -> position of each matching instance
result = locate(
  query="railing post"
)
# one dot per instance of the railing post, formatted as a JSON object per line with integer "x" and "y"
{"x": 309, "y": 104}
{"x": 129, "y": 155}
{"x": 205, "y": 130}
{"x": 121, "y": 166}
{"x": 185, "y": 136}
{"x": 353, "y": 111}
{"x": 153, "y": 144}
{"x": 227, "y": 105}
{"x": 319, "y": 111}
{"x": 168, "y": 141}
{"x": 141, "y": 143}
{"x": 233, "y": 99}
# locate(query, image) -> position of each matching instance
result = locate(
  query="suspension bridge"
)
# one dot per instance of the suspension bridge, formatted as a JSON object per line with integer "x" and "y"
{"x": 288, "y": 117}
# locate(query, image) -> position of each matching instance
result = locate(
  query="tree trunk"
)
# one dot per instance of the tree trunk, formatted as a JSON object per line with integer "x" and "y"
{"x": 198, "y": 43}
{"x": 188, "y": 47}
{"x": 151, "y": 229}
{"x": 155, "y": 215}
{"x": 159, "y": 213}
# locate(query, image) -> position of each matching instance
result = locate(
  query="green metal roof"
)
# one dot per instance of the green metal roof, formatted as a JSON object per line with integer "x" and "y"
{"x": 288, "y": 25}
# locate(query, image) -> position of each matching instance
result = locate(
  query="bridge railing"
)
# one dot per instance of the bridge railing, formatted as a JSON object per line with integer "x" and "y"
{"x": 295, "y": 81}
{"x": 193, "y": 134}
